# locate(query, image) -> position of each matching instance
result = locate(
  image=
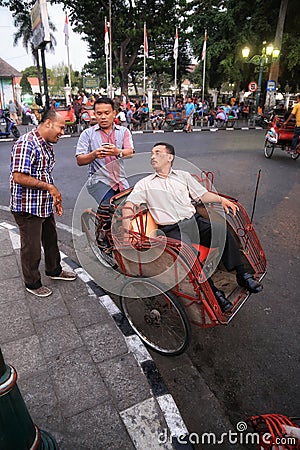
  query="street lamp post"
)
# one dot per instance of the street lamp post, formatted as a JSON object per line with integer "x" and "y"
{"x": 268, "y": 54}
{"x": 17, "y": 430}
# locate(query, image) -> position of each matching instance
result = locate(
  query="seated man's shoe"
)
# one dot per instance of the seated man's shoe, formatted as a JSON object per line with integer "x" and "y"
{"x": 224, "y": 304}
{"x": 246, "y": 280}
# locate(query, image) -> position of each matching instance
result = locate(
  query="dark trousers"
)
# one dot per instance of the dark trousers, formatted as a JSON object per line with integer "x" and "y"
{"x": 35, "y": 231}
{"x": 295, "y": 139}
{"x": 198, "y": 228}
{"x": 101, "y": 192}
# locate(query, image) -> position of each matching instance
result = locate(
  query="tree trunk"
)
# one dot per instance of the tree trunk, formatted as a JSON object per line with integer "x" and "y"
{"x": 124, "y": 80}
{"x": 274, "y": 70}
{"x": 124, "y": 65}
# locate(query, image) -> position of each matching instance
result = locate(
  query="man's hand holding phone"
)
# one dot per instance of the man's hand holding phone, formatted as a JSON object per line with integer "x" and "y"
{"x": 106, "y": 149}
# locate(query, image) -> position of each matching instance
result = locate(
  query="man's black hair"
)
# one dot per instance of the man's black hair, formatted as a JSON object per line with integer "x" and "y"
{"x": 104, "y": 100}
{"x": 169, "y": 147}
{"x": 49, "y": 114}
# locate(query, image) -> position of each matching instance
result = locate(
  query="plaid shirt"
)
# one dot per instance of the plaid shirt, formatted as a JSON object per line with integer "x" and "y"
{"x": 32, "y": 155}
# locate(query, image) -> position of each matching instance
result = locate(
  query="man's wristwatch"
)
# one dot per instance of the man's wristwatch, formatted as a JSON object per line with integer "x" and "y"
{"x": 120, "y": 155}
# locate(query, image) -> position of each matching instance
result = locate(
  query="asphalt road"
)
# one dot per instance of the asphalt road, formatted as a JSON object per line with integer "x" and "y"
{"x": 251, "y": 366}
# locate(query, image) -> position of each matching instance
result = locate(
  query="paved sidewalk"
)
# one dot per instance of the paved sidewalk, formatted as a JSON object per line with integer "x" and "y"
{"x": 87, "y": 383}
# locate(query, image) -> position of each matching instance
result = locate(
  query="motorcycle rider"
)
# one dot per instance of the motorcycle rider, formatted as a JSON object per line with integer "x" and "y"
{"x": 12, "y": 109}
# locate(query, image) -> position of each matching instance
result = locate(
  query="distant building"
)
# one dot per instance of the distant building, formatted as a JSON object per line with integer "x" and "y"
{"x": 9, "y": 88}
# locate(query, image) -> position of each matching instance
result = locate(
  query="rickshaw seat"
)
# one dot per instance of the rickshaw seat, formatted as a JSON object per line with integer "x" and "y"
{"x": 146, "y": 225}
{"x": 202, "y": 251}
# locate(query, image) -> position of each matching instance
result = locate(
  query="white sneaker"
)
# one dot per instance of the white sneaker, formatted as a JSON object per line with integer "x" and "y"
{"x": 64, "y": 275}
{"x": 42, "y": 291}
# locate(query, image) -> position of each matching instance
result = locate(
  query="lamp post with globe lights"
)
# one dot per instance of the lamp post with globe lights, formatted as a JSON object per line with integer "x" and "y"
{"x": 268, "y": 55}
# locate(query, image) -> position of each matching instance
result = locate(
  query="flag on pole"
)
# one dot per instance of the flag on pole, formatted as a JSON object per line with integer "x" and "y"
{"x": 106, "y": 40}
{"x": 146, "y": 53}
{"x": 66, "y": 31}
{"x": 203, "y": 56}
{"x": 175, "y": 51}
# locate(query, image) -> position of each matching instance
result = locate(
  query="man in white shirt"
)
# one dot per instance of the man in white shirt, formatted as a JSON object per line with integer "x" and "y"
{"x": 168, "y": 194}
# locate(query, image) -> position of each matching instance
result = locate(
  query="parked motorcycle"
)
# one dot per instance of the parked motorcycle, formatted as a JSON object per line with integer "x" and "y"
{"x": 262, "y": 121}
{"x": 10, "y": 126}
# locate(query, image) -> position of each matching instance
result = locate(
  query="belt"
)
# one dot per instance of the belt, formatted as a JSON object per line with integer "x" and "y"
{"x": 176, "y": 223}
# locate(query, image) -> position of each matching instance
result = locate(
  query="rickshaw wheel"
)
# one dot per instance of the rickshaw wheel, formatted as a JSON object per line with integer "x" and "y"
{"x": 268, "y": 149}
{"x": 180, "y": 125}
{"x": 156, "y": 316}
{"x": 92, "y": 226}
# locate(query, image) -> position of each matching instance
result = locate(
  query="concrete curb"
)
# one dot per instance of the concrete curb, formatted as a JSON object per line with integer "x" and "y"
{"x": 177, "y": 435}
{"x": 212, "y": 129}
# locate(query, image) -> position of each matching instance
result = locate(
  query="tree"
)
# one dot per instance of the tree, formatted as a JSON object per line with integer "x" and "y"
{"x": 57, "y": 76}
{"x": 230, "y": 25}
{"x": 127, "y": 33}
{"x": 26, "y": 86}
{"x": 30, "y": 71}
{"x": 289, "y": 71}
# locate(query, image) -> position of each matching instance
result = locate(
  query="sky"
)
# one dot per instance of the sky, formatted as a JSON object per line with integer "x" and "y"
{"x": 17, "y": 56}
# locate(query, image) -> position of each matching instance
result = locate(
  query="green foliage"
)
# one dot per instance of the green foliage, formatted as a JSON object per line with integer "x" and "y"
{"x": 26, "y": 86}
{"x": 30, "y": 72}
{"x": 230, "y": 25}
{"x": 128, "y": 19}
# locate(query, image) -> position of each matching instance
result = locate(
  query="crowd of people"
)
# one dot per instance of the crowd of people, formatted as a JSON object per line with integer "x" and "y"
{"x": 22, "y": 113}
{"x": 135, "y": 115}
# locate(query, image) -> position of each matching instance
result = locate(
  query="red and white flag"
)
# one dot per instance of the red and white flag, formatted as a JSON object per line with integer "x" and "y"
{"x": 66, "y": 31}
{"x": 175, "y": 50}
{"x": 106, "y": 40}
{"x": 146, "y": 53}
{"x": 203, "y": 56}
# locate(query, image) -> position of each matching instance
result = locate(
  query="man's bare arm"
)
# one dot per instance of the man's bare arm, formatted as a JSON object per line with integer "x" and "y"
{"x": 127, "y": 215}
{"x": 211, "y": 197}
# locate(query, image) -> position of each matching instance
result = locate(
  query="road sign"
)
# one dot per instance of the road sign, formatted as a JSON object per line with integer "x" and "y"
{"x": 40, "y": 24}
{"x": 91, "y": 83}
{"x": 252, "y": 86}
{"x": 271, "y": 85}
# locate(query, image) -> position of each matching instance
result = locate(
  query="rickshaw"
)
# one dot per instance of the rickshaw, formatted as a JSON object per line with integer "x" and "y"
{"x": 174, "y": 120}
{"x": 70, "y": 119}
{"x": 275, "y": 431}
{"x": 166, "y": 288}
{"x": 87, "y": 117}
{"x": 281, "y": 137}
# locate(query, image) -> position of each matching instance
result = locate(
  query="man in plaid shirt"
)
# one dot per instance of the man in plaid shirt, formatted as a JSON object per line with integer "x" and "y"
{"x": 33, "y": 199}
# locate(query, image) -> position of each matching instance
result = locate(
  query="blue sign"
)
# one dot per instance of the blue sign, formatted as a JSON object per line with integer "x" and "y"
{"x": 271, "y": 85}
